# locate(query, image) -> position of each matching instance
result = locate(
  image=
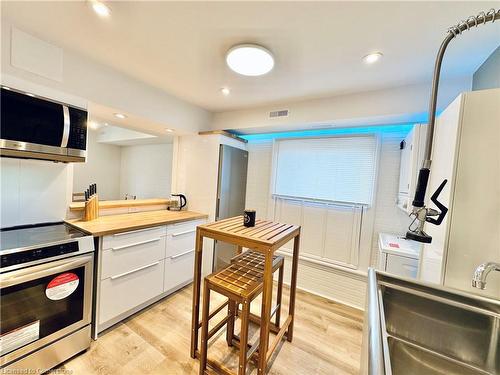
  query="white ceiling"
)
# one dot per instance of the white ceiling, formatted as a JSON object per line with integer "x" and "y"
{"x": 180, "y": 46}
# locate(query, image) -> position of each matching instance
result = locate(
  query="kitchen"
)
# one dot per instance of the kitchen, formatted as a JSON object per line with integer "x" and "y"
{"x": 178, "y": 134}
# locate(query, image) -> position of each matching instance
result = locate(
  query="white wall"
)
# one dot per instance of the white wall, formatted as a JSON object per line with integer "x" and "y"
{"x": 33, "y": 191}
{"x": 336, "y": 282}
{"x": 390, "y": 106}
{"x": 388, "y": 217}
{"x": 102, "y": 167}
{"x": 146, "y": 171}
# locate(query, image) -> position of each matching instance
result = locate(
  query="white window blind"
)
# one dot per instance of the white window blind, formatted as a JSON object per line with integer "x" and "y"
{"x": 338, "y": 169}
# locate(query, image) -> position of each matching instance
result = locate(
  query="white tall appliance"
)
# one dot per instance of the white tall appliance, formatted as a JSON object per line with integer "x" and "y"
{"x": 231, "y": 192}
{"x": 466, "y": 151}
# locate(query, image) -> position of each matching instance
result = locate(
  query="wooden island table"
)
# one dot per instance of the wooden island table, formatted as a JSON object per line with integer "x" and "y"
{"x": 265, "y": 237}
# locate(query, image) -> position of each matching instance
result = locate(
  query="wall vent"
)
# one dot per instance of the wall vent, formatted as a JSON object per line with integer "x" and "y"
{"x": 282, "y": 113}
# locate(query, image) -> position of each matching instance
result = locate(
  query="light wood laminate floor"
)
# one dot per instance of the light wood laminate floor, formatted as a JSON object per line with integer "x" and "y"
{"x": 327, "y": 340}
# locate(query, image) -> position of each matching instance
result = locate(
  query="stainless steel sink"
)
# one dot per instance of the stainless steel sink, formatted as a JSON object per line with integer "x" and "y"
{"x": 416, "y": 328}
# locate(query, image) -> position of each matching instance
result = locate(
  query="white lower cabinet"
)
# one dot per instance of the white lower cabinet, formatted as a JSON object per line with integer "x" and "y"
{"x": 139, "y": 267}
{"x": 401, "y": 266}
{"x": 123, "y": 292}
{"x": 178, "y": 270}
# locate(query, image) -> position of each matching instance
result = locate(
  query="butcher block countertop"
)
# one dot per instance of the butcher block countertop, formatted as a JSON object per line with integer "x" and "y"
{"x": 122, "y": 223}
{"x": 79, "y": 206}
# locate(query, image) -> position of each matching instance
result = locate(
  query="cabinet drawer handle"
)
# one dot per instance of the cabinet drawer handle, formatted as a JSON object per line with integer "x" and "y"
{"x": 133, "y": 231}
{"x": 135, "y": 244}
{"x": 136, "y": 270}
{"x": 182, "y": 254}
{"x": 181, "y": 233}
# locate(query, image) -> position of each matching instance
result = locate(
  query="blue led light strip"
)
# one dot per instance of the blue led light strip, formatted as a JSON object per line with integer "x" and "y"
{"x": 403, "y": 128}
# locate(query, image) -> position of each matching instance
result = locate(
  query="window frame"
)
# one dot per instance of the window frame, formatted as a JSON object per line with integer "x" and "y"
{"x": 274, "y": 164}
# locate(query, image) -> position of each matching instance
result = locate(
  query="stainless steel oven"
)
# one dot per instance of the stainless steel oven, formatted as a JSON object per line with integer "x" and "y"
{"x": 45, "y": 298}
{"x": 41, "y": 128}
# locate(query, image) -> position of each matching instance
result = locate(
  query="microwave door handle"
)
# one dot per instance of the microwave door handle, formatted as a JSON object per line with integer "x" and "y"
{"x": 42, "y": 270}
{"x": 67, "y": 126}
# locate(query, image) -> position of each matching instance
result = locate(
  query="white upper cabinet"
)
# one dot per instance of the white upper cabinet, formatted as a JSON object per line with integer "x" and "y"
{"x": 412, "y": 155}
{"x": 405, "y": 168}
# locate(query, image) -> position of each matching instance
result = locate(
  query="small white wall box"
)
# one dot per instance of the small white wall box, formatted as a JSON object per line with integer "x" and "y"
{"x": 398, "y": 255}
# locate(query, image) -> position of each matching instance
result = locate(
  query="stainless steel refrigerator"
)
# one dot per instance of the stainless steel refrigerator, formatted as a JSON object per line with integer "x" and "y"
{"x": 231, "y": 192}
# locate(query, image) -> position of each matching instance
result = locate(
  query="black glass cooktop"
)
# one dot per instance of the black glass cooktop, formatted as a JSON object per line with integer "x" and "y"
{"x": 28, "y": 236}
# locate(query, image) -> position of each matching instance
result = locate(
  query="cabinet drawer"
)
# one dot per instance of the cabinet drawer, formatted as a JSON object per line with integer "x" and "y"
{"x": 181, "y": 238}
{"x": 184, "y": 226}
{"x": 120, "y": 259}
{"x": 123, "y": 292}
{"x": 402, "y": 266}
{"x": 178, "y": 270}
{"x": 131, "y": 237}
{"x": 180, "y": 244}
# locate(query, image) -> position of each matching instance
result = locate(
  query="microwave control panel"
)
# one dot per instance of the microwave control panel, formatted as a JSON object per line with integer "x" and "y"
{"x": 78, "y": 133}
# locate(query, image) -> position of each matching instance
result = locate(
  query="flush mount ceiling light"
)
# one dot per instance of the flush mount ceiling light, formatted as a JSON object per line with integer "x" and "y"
{"x": 120, "y": 115}
{"x": 169, "y": 130}
{"x": 225, "y": 91}
{"x": 250, "y": 59}
{"x": 372, "y": 57}
{"x": 100, "y": 8}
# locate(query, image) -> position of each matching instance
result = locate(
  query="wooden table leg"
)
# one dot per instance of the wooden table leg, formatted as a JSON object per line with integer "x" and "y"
{"x": 293, "y": 285}
{"x": 198, "y": 255}
{"x": 265, "y": 312}
{"x": 242, "y": 369}
{"x": 204, "y": 328}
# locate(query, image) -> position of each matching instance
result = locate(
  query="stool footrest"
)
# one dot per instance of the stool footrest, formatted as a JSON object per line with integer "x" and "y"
{"x": 215, "y": 312}
{"x": 253, "y": 349}
{"x": 279, "y": 337}
{"x": 219, "y": 368}
{"x": 254, "y": 355}
{"x": 218, "y": 326}
{"x": 256, "y": 319}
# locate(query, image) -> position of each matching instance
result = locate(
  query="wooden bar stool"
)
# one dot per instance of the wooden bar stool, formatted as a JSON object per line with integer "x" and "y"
{"x": 256, "y": 260}
{"x": 241, "y": 282}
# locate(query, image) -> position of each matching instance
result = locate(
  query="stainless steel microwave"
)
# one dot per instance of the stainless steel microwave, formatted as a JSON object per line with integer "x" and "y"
{"x": 39, "y": 128}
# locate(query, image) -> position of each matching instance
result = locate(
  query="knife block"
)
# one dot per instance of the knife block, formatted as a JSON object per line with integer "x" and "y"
{"x": 91, "y": 210}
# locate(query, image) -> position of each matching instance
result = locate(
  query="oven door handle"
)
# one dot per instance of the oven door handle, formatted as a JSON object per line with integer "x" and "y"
{"x": 42, "y": 270}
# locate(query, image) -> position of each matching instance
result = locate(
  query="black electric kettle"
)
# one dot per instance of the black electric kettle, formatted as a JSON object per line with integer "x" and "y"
{"x": 182, "y": 202}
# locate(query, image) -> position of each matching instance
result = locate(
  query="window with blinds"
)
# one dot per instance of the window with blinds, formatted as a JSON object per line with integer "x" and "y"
{"x": 335, "y": 169}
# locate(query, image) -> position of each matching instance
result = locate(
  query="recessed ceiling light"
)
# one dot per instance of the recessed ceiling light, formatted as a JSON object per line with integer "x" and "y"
{"x": 93, "y": 125}
{"x": 106, "y": 124}
{"x": 169, "y": 130}
{"x": 120, "y": 115}
{"x": 6, "y": 88}
{"x": 225, "y": 91}
{"x": 30, "y": 94}
{"x": 372, "y": 57}
{"x": 100, "y": 8}
{"x": 250, "y": 59}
